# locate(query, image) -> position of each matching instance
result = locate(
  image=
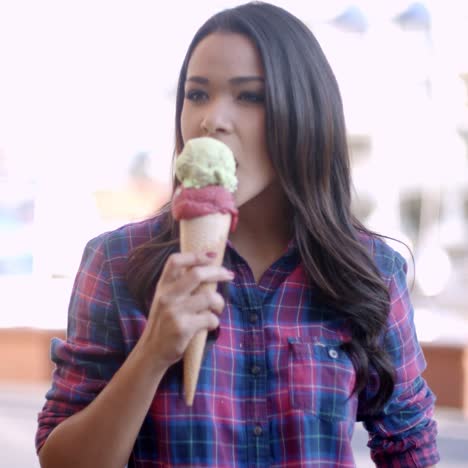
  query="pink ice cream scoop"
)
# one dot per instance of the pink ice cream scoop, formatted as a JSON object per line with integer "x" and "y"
{"x": 189, "y": 203}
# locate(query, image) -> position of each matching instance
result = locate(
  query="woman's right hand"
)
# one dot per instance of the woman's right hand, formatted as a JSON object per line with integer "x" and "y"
{"x": 178, "y": 311}
{"x": 180, "y": 308}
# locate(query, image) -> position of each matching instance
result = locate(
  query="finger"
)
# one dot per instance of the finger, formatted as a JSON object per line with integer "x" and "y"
{"x": 191, "y": 280}
{"x": 177, "y": 263}
{"x": 203, "y": 301}
{"x": 206, "y": 321}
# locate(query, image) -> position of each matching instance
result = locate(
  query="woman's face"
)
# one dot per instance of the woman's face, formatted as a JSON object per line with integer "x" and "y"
{"x": 224, "y": 99}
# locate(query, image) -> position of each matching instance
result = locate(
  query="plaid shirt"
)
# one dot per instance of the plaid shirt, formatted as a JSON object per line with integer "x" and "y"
{"x": 274, "y": 389}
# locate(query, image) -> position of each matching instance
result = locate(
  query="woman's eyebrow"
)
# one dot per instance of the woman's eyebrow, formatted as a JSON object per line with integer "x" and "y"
{"x": 245, "y": 79}
{"x": 198, "y": 79}
{"x": 235, "y": 81}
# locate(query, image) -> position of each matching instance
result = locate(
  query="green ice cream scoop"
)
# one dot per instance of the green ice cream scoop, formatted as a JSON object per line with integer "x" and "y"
{"x": 206, "y": 161}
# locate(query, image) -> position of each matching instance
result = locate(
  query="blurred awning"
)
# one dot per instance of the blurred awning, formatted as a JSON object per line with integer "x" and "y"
{"x": 415, "y": 17}
{"x": 351, "y": 20}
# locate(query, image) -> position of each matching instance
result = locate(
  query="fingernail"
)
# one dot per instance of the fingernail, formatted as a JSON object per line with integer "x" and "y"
{"x": 211, "y": 254}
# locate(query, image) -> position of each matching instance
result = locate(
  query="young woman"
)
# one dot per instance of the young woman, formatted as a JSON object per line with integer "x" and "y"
{"x": 312, "y": 328}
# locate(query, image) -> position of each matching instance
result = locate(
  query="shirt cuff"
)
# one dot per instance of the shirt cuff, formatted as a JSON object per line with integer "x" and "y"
{"x": 419, "y": 457}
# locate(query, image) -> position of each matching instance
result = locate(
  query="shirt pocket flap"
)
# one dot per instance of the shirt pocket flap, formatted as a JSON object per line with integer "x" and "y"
{"x": 321, "y": 378}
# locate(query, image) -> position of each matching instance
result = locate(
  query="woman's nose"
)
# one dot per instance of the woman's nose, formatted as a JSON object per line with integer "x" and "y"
{"x": 217, "y": 119}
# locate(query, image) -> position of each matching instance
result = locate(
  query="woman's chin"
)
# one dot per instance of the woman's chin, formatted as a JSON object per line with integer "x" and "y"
{"x": 263, "y": 195}
{"x": 243, "y": 201}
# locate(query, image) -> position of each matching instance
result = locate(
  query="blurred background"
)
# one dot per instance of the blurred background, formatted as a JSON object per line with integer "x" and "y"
{"x": 87, "y": 91}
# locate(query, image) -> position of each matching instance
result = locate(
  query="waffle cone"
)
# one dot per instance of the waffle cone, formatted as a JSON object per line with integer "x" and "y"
{"x": 203, "y": 234}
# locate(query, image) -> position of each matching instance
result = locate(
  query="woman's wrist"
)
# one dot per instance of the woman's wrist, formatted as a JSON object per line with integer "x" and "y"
{"x": 146, "y": 352}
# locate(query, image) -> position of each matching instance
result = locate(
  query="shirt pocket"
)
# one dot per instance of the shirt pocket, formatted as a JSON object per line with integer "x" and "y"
{"x": 321, "y": 379}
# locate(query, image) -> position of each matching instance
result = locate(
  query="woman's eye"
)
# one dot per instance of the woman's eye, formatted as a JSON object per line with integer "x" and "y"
{"x": 196, "y": 95}
{"x": 253, "y": 97}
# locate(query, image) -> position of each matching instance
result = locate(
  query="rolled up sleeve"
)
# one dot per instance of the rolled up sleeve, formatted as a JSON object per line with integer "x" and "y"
{"x": 92, "y": 352}
{"x": 404, "y": 433}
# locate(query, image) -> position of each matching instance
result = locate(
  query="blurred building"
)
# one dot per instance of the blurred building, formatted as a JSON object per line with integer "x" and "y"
{"x": 406, "y": 105}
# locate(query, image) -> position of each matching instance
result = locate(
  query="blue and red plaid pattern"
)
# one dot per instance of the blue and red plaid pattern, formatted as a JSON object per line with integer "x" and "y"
{"x": 274, "y": 389}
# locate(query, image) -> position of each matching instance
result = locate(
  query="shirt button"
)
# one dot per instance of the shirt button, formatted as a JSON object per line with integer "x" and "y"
{"x": 255, "y": 370}
{"x": 333, "y": 353}
{"x": 258, "y": 431}
{"x": 253, "y": 318}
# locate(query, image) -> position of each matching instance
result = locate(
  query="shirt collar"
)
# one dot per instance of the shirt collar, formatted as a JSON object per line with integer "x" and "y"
{"x": 291, "y": 253}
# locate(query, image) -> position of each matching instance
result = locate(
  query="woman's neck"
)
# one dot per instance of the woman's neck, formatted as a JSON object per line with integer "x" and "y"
{"x": 264, "y": 229}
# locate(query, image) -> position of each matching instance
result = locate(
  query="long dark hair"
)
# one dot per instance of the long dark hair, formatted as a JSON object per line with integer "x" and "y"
{"x": 306, "y": 140}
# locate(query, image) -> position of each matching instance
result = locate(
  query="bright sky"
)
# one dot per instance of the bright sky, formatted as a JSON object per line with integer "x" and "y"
{"x": 84, "y": 85}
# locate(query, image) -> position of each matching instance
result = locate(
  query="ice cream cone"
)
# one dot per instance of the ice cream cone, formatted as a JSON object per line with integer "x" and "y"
{"x": 201, "y": 234}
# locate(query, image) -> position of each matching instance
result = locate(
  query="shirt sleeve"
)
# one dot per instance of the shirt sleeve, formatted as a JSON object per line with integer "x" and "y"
{"x": 93, "y": 350}
{"x": 403, "y": 434}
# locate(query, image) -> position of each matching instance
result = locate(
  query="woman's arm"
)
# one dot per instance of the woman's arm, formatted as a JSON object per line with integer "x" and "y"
{"x": 102, "y": 434}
